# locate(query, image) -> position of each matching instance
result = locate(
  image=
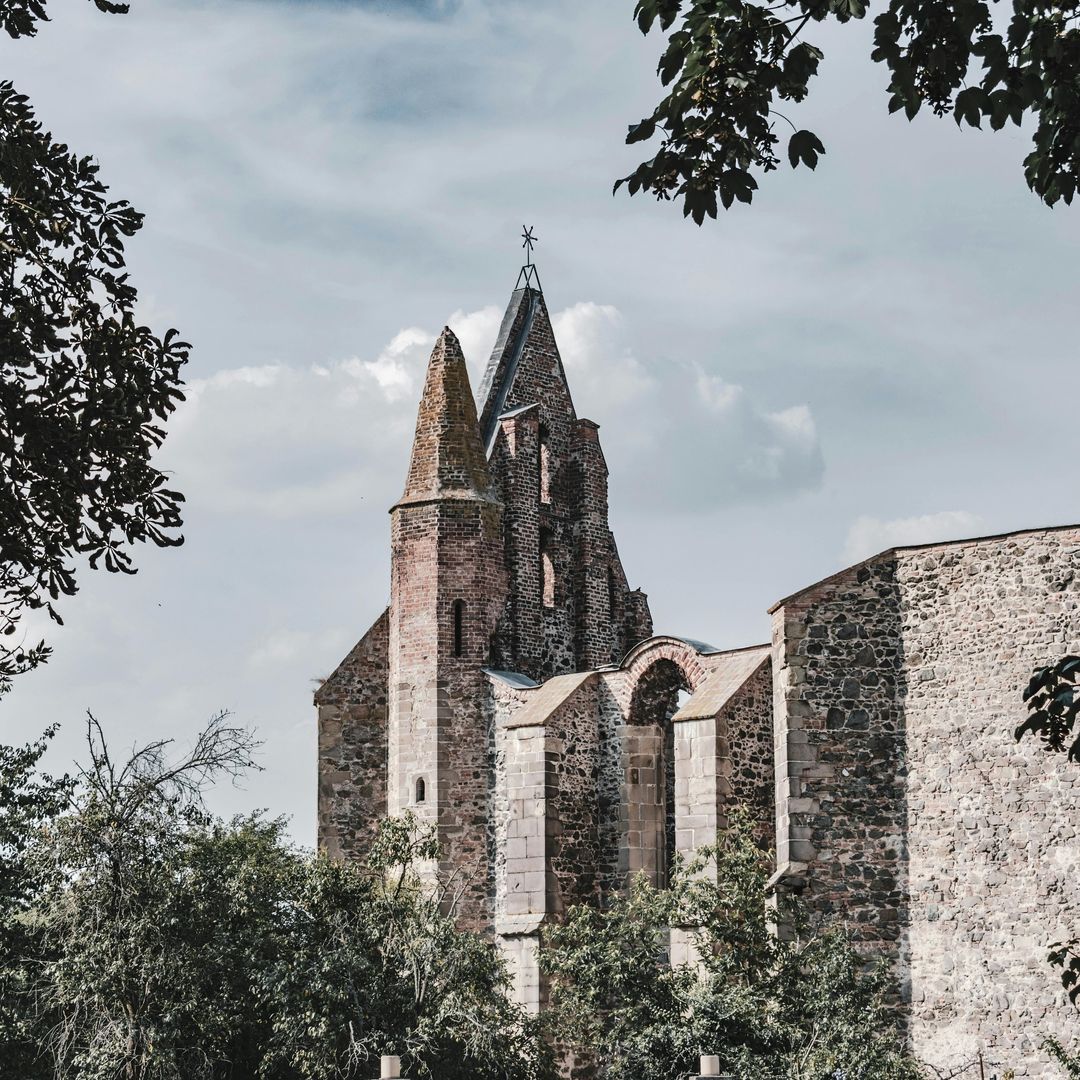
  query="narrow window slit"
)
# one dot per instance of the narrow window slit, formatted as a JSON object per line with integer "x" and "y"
{"x": 459, "y": 627}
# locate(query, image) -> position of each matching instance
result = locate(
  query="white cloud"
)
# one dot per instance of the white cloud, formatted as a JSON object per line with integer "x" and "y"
{"x": 287, "y": 441}
{"x": 602, "y": 372}
{"x": 678, "y": 435}
{"x": 869, "y": 535}
{"x": 719, "y": 396}
{"x": 477, "y": 331}
{"x": 392, "y": 368}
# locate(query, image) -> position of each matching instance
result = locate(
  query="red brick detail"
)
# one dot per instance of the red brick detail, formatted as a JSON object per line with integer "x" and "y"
{"x": 644, "y": 656}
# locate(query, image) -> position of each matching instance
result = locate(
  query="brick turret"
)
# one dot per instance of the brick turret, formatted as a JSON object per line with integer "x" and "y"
{"x": 447, "y": 592}
{"x": 570, "y": 606}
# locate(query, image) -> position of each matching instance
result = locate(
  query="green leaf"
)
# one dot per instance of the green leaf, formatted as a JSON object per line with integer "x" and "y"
{"x": 804, "y": 148}
{"x": 639, "y": 132}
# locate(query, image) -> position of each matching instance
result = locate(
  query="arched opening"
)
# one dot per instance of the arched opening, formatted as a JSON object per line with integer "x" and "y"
{"x": 547, "y": 571}
{"x": 658, "y": 695}
{"x": 421, "y": 789}
{"x": 459, "y": 627}
{"x": 545, "y": 466}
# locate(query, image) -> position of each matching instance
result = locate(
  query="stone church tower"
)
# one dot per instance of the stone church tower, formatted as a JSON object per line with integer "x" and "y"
{"x": 514, "y": 695}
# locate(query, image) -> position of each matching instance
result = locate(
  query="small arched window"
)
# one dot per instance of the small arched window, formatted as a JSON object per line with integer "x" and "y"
{"x": 545, "y": 467}
{"x": 612, "y": 595}
{"x": 420, "y": 792}
{"x": 459, "y": 627}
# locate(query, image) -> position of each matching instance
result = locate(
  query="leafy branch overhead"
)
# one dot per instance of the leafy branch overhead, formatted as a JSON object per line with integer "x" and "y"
{"x": 20, "y": 18}
{"x": 84, "y": 389}
{"x": 729, "y": 64}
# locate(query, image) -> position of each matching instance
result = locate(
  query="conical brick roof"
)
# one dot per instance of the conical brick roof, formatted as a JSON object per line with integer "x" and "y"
{"x": 448, "y": 460}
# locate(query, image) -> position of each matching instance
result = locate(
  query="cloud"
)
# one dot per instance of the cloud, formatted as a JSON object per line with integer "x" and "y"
{"x": 869, "y": 535}
{"x": 477, "y": 331}
{"x": 392, "y": 368}
{"x": 679, "y": 434}
{"x": 287, "y": 441}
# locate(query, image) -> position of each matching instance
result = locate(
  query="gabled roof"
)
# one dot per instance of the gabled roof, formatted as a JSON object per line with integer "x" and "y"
{"x": 525, "y": 338}
{"x": 547, "y": 698}
{"x": 730, "y": 672}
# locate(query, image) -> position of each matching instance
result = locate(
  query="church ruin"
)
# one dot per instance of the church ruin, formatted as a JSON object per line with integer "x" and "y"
{"x": 514, "y": 696}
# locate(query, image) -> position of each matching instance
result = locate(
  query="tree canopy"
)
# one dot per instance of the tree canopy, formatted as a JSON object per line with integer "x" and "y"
{"x": 142, "y": 938}
{"x": 729, "y": 65}
{"x": 802, "y": 1010}
{"x": 84, "y": 388}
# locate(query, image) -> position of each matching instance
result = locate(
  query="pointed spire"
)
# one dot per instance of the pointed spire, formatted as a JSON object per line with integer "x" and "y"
{"x": 525, "y": 366}
{"x": 448, "y": 459}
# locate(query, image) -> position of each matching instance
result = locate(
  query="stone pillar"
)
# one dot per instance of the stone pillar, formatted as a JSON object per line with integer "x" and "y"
{"x": 642, "y": 813}
{"x": 702, "y": 795}
{"x": 525, "y": 896}
{"x": 597, "y": 624}
{"x": 794, "y": 753}
{"x": 520, "y": 445}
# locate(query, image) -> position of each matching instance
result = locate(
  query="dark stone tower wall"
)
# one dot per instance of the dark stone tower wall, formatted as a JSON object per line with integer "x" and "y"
{"x": 570, "y": 608}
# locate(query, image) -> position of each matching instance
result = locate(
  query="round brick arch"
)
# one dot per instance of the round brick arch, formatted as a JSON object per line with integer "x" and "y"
{"x": 644, "y": 656}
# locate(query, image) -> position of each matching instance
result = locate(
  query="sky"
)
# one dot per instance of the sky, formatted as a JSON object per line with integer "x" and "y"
{"x": 878, "y": 352}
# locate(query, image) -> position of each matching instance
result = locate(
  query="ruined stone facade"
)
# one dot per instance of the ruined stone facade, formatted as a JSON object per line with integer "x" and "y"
{"x": 514, "y": 696}
{"x": 903, "y": 804}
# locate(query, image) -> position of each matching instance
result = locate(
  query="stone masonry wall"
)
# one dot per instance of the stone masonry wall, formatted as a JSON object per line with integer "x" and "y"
{"x": 575, "y": 853}
{"x": 552, "y": 479}
{"x": 925, "y": 827}
{"x": 352, "y": 746}
{"x": 749, "y": 723}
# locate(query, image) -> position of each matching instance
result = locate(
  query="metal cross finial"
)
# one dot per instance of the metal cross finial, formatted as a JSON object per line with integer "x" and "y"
{"x": 529, "y": 241}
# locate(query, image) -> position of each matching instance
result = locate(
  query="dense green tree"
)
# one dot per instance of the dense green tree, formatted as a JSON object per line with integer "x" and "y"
{"x": 153, "y": 941}
{"x": 729, "y": 65}
{"x": 804, "y": 1009}
{"x": 28, "y": 801}
{"x": 84, "y": 389}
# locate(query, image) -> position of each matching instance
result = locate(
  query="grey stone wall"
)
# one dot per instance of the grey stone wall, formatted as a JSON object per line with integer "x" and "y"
{"x": 921, "y": 823}
{"x": 575, "y": 853}
{"x": 748, "y": 720}
{"x": 352, "y": 707}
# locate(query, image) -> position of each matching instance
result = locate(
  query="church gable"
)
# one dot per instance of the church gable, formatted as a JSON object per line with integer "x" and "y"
{"x": 525, "y": 366}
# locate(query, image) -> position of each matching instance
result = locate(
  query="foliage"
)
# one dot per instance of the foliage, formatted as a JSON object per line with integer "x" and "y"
{"x": 1069, "y": 1062}
{"x": 729, "y": 63}
{"x": 807, "y": 1010}
{"x": 1053, "y": 703}
{"x": 84, "y": 389}
{"x": 27, "y": 802}
{"x": 20, "y": 18}
{"x": 163, "y": 942}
